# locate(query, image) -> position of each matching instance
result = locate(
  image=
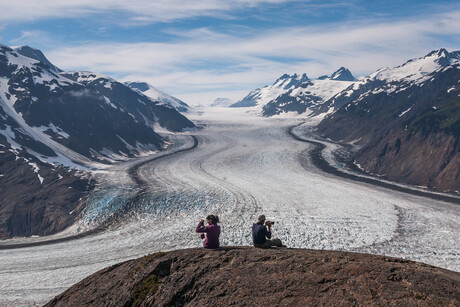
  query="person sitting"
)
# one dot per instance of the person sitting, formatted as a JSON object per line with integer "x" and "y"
{"x": 212, "y": 231}
{"x": 261, "y": 236}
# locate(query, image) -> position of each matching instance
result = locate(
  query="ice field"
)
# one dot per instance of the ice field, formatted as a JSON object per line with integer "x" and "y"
{"x": 243, "y": 166}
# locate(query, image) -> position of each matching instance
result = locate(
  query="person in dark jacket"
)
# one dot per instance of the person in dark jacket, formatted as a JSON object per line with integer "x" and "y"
{"x": 212, "y": 231}
{"x": 261, "y": 236}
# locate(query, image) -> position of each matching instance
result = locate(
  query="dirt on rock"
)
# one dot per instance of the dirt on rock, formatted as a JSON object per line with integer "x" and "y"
{"x": 245, "y": 276}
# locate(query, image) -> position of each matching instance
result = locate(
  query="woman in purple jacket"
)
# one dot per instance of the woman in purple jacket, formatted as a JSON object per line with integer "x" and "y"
{"x": 212, "y": 231}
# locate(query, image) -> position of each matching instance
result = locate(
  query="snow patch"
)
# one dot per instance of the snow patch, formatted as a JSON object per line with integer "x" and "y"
{"x": 404, "y": 112}
{"x": 54, "y": 129}
{"x": 36, "y": 170}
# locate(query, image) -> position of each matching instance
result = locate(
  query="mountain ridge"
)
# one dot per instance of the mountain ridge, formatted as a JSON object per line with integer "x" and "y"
{"x": 396, "y": 111}
{"x": 294, "y": 93}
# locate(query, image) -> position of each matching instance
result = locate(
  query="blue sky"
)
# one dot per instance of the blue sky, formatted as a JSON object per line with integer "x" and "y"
{"x": 201, "y": 50}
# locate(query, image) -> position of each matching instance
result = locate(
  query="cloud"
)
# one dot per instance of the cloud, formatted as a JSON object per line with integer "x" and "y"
{"x": 203, "y": 61}
{"x": 25, "y": 34}
{"x": 32, "y": 37}
{"x": 142, "y": 11}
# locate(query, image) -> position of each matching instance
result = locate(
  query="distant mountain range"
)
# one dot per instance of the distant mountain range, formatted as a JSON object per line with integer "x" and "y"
{"x": 54, "y": 123}
{"x": 221, "y": 102}
{"x": 296, "y": 94}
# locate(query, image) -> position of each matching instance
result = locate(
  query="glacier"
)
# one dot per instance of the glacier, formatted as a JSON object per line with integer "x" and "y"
{"x": 243, "y": 166}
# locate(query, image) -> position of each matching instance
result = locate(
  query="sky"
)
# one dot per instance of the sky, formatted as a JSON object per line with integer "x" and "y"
{"x": 205, "y": 49}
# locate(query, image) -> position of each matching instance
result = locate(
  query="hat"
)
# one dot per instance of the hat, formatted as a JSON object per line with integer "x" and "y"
{"x": 261, "y": 218}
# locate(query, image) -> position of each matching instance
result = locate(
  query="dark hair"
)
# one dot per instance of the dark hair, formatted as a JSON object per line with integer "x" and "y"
{"x": 213, "y": 218}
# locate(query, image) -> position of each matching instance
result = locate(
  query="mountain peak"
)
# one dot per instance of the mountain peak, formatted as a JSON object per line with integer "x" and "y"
{"x": 289, "y": 80}
{"x": 304, "y": 77}
{"x": 35, "y": 54}
{"x": 283, "y": 77}
{"x": 342, "y": 74}
{"x": 443, "y": 57}
{"x": 440, "y": 53}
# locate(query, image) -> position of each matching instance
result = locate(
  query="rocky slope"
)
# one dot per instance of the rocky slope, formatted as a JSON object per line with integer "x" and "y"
{"x": 407, "y": 119}
{"x": 37, "y": 198}
{"x": 246, "y": 276}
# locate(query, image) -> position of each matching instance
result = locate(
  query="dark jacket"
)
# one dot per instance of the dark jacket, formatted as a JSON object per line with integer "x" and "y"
{"x": 260, "y": 234}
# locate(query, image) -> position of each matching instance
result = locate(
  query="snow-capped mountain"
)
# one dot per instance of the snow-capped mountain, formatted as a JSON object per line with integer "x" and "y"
{"x": 343, "y": 74}
{"x": 221, "y": 102}
{"x": 407, "y": 119}
{"x": 390, "y": 80}
{"x": 36, "y": 54}
{"x": 262, "y": 96}
{"x": 297, "y": 94}
{"x": 140, "y": 107}
{"x": 158, "y": 95}
{"x": 90, "y": 114}
{"x": 56, "y": 124}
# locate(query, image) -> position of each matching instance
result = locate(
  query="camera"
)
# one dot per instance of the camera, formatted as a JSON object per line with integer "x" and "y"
{"x": 266, "y": 223}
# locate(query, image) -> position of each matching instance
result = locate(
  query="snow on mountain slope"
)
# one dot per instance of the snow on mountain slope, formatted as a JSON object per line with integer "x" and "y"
{"x": 304, "y": 99}
{"x": 156, "y": 94}
{"x": 35, "y": 54}
{"x": 266, "y": 94}
{"x": 296, "y": 94}
{"x": 140, "y": 107}
{"x": 406, "y": 120}
{"x": 417, "y": 69}
{"x": 77, "y": 117}
{"x": 389, "y": 80}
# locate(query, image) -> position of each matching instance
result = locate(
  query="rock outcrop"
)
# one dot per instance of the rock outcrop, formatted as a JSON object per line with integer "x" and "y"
{"x": 255, "y": 277}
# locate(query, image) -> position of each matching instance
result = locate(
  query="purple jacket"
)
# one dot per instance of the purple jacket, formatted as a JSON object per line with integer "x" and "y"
{"x": 212, "y": 234}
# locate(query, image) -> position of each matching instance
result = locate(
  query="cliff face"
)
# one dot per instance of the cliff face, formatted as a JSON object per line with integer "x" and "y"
{"x": 255, "y": 277}
{"x": 426, "y": 159}
{"x": 35, "y": 198}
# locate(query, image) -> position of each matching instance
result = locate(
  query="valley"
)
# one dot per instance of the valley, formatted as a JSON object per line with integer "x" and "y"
{"x": 242, "y": 165}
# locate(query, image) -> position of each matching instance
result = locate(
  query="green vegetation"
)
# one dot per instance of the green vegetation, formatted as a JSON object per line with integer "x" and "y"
{"x": 445, "y": 118}
{"x": 146, "y": 287}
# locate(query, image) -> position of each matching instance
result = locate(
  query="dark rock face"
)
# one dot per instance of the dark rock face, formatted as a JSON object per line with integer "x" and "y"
{"x": 30, "y": 206}
{"x": 247, "y": 276}
{"x": 430, "y": 160}
{"x": 342, "y": 74}
{"x": 138, "y": 106}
